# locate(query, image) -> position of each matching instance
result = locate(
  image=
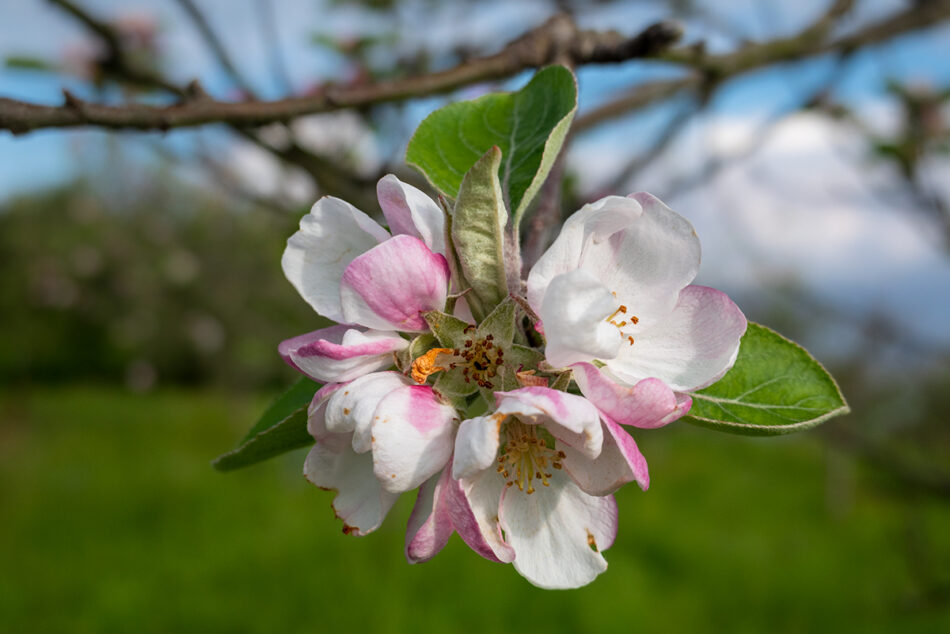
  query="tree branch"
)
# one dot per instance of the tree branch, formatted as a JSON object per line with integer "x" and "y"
{"x": 810, "y": 42}
{"x": 117, "y": 60}
{"x": 537, "y": 48}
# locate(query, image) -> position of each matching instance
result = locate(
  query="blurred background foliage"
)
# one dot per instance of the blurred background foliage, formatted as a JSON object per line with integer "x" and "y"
{"x": 141, "y": 303}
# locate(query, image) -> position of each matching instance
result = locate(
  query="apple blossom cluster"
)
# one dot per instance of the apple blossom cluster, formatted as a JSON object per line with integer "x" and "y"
{"x": 514, "y": 430}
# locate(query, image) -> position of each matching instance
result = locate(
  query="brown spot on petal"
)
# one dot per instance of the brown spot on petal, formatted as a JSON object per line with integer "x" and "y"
{"x": 346, "y": 411}
{"x": 591, "y": 541}
{"x": 347, "y": 529}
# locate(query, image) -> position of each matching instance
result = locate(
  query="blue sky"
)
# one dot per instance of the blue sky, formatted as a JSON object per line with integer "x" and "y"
{"x": 34, "y": 28}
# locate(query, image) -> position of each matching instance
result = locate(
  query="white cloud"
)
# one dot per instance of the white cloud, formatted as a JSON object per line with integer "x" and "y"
{"x": 806, "y": 204}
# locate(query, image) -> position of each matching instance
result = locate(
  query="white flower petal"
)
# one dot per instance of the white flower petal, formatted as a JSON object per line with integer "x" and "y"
{"x": 648, "y": 263}
{"x": 473, "y": 503}
{"x": 413, "y": 436}
{"x": 409, "y": 211}
{"x": 570, "y": 418}
{"x": 361, "y": 502}
{"x": 330, "y": 237}
{"x": 591, "y": 224}
{"x": 558, "y": 532}
{"x": 619, "y": 462}
{"x": 574, "y": 313}
{"x": 692, "y": 348}
{"x": 476, "y": 445}
{"x": 352, "y": 408}
{"x": 341, "y": 353}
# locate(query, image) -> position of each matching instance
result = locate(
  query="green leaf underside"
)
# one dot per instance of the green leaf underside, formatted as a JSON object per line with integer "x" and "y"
{"x": 528, "y": 126}
{"x": 282, "y": 428}
{"x": 478, "y": 233}
{"x": 775, "y": 387}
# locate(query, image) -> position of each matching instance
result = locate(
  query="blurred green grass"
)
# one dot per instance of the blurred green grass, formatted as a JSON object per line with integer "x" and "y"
{"x": 111, "y": 520}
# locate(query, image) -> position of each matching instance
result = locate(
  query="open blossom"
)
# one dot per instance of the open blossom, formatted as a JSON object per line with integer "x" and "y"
{"x": 614, "y": 289}
{"x": 350, "y": 270}
{"x": 530, "y": 481}
{"x": 377, "y": 434}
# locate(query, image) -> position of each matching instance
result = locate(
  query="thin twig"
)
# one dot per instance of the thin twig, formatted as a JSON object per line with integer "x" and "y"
{"x": 215, "y": 44}
{"x": 810, "y": 42}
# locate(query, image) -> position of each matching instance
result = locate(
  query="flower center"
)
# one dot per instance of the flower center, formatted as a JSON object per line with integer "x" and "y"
{"x": 478, "y": 358}
{"x": 527, "y": 458}
{"x": 620, "y": 319}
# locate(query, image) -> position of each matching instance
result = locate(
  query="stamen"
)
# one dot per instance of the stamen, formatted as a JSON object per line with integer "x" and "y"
{"x": 622, "y": 310}
{"x": 478, "y": 359}
{"x": 527, "y": 457}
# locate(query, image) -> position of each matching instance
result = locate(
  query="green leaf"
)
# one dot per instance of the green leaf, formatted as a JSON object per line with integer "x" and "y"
{"x": 775, "y": 387}
{"x": 529, "y": 126}
{"x": 283, "y": 427}
{"x": 478, "y": 233}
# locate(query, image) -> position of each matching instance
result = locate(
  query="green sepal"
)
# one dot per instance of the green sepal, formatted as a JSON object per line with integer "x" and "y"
{"x": 450, "y": 331}
{"x": 451, "y": 383}
{"x": 561, "y": 382}
{"x": 500, "y": 324}
{"x": 523, "y": 356}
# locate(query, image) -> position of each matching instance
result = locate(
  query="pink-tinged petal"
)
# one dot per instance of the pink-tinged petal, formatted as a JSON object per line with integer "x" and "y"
{"x": 692, "y": 348}
{"x": 330, "y": 237}
{"x": 409, "y": 211}
{"x": 473, "y": 504}
{"x": 570, "y": 418}
{"x": 619, "y": 462}
{"x": 361, "y": 502}
{"x": 332, "y": 464}
{"x": 430, "y": 524}
{"x": 341, "y": 353}
{"x": 575, "y": 314}
{"x": 351, "y": 409}
{"x": 316, "y": 411}
{"x": 476, "y": 445}
{"x": 390, "y": 286}
{"x": 558, "y": 532}
{"x": 413, "y": 436}
{"x": 648, "y": 404}
{"x": 591, "y": 225}
{"x": 463, "y": 311}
